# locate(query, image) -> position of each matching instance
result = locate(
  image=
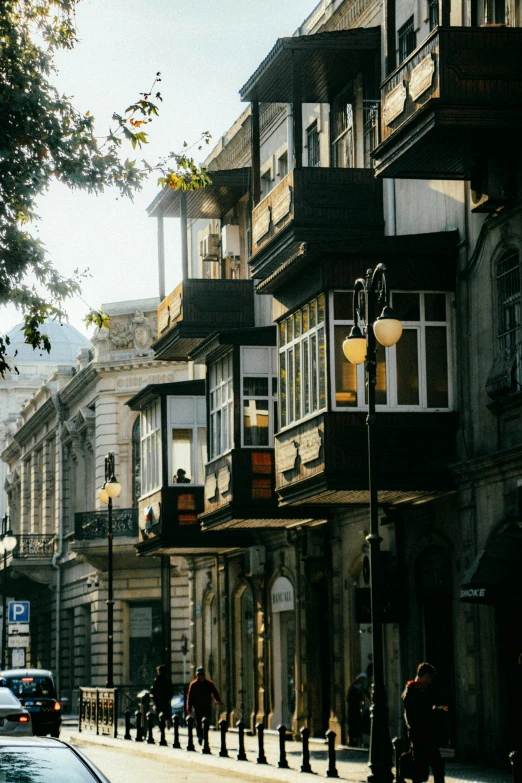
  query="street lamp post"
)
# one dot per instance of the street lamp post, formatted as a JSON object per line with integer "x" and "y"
{"x": 111, "y": 489}
{"x": 7, "y": 544}
{"x": 357, "y": 348}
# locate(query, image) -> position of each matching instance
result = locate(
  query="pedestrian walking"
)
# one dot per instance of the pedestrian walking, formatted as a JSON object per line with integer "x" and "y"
{"x": 162, "y": 691}
{"x": 422, "y": 715}
{"x": 355, "y": 701}
{"x": 201, "y": 694}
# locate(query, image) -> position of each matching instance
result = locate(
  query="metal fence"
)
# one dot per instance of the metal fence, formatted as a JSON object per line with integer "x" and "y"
{"x": 91, "y": 525}
{"x": 34, "y": 546}
{"x": 99, "y": 710}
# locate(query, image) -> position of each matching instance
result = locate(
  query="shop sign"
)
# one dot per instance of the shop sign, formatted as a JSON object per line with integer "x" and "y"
{"x": 18, "y": 641}
{"x": 282, "y": 595}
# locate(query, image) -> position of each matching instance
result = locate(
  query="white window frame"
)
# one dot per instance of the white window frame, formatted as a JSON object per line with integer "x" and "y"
{"x": 271, "y": 398}
{"x": 151, "y": 449}
{"x": 286, "y": 348}
{"x": 391, "y": 361}
{"x": 216, "y": 391}
{"x": 194, "y": 426}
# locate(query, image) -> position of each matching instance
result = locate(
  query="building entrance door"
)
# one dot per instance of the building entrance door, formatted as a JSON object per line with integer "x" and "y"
{"x": 509, "y": 634}
{"x": 283, "y": 625}
{"x": 145, "y": 642}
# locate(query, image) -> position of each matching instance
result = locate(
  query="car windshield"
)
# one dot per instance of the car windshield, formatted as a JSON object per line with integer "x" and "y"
{"x": 42, "y": 765}
{"x": 35, "y": 685}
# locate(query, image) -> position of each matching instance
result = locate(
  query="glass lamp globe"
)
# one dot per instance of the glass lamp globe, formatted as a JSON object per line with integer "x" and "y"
{"x": 9, "y": 542}
{"x": 113, "y": 488}
{"x": 387, "y": 328}
{"x": 102, "y": 494}
{"x": 354, "y": 347}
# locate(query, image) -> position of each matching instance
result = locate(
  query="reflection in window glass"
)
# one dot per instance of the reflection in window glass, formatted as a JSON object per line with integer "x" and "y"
{"x": 345, "y": 372}
{"x": 42, "y": 765}
{"x": 408, "y": 368}
{"x": 297, "y": 351}
{"x": 255, "y": 387}
{"x": 150, "y": 434}
{"x": 322, "y": 367}
{"x": 202, "y": 454}
{"x": 221, "y": 401}
{"x": 380, "y": 385}
{"x": 406, "y": 306}
{"x": 282, "y": 386}
{"x": 282, "y": 333}
{"x": 259, "y": 392}
{"x": 256, "y": 423}
{"x": 434, "y": 307}
{"x": 436, "y": 367}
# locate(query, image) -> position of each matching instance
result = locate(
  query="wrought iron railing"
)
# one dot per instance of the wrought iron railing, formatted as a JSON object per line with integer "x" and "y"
{"x": 99, "y": 710}
{"x": 34, "y": 546}
{"x": 90, "y": 525}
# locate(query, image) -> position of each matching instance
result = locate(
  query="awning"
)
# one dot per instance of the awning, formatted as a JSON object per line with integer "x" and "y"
{"x": 213, "y": 201}
{"x": 327, "y": 61}
{"x": 496, "y": 575}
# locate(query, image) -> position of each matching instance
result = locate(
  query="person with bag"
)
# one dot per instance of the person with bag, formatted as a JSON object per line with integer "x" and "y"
{"x": 421, "y": 717}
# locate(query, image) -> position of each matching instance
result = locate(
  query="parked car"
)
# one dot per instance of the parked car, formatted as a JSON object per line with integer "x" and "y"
{"x": 37, "y": 692}
{"x": 44, "y": 760}
{"x": 14, "y": 719}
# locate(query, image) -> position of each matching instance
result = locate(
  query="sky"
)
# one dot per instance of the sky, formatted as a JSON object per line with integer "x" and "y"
{"x": 205, "y": 50}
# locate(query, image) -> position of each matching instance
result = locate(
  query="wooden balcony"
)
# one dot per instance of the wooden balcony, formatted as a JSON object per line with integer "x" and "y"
{"x": 196, "y": 308}
{"x": 319, "y": 205}
{"x": 240, "y": 492}
{"x": 454, "y": 100}
{"x": 324, "y": 459}
{"x": 173, "y": 527}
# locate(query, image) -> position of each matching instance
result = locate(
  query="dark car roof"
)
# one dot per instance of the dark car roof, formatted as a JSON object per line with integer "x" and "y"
{"x": 26, "y": 673}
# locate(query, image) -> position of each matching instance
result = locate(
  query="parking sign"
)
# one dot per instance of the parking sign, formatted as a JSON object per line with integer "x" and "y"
{"x": 18, "y": 611}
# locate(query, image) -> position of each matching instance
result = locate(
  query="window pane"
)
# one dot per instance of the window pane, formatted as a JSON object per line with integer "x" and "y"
{"x": 202, "y": 454}
{"x": 380, "y": 387}
{"x": 343, "y": 305}
{"x": 406, "y": 306}
{"x": 297, "y": 324}
{"x": 290, "y": 328}
{"x": 291, "y": 414}
{"x": 256, "y": 422}
{"x": 435, "y": 307}
{"x": 322, "y": 368}
{"x": 436, "y": 367}
{"x": 313, "y": 313}
{"x": 274, "y": 387}
{"x": 306, "y": 380}
{"x": 282, "y": 387}
{"x": 182, "y": 456}
{"x": 345, "y": 372}
{"x": 407, "y": 369}
{"x": 313, "y": 350}
{"x": 320, "y": 309}
{"x": 255, "y": 387}
{"x": 297, "y": 351}
{"x": 305, "y": 319}
{"x": 282, "y": 333}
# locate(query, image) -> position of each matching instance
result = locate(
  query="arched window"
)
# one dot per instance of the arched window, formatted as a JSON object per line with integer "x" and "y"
{"x": 136, "y": 463}
{"x": 509, "y": 313}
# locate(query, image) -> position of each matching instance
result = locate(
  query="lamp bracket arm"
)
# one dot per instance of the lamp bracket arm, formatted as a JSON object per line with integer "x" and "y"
{"x": 359, "y": 287}
{"x": 378, "y": 282}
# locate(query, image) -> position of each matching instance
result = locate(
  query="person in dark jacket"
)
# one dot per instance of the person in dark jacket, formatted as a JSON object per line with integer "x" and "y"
{"x": 201, "y": 694}
{"x": 421, "y": 717}
{"x": 355, "y": 704}
{"x": 162, "y": 691}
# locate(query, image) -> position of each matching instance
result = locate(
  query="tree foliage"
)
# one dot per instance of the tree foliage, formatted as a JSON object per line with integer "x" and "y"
{"x": 43, "y": 137}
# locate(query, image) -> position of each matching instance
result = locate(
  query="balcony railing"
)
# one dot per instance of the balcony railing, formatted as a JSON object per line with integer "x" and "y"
{"x": 34, "y": 546}
{"x": 92, "y": 525}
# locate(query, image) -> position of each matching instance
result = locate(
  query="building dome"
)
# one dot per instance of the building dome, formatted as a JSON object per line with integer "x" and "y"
{"x": 65, "y": 340}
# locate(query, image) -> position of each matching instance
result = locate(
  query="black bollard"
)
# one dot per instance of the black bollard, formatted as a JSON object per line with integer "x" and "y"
{"x": 162, "y": 724}
{"x": 241, "y": 755}
{"x": 331, "y": 772}
{"x": 139, "y": 733}
{"x": 398, "y": 747}
{"x": 127, "y": 725}
{"x": 514, "y": 757}
{"x": 223, "y": 729}
{"x": 261, "y": 758}
{"x": 305, "y": 737}
{"x": 205, "y": 725}
{"x": 175, "y": 721}
{"x": 282, "y": 763}
{"x": 190, "y": 729}
{"x": 150, "y": 726}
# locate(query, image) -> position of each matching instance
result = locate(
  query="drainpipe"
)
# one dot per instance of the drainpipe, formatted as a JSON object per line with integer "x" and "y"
{"x": 59, "y": 553}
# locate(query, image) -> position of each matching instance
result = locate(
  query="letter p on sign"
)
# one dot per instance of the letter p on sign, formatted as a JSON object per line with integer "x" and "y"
{"x": 18, "y": 611}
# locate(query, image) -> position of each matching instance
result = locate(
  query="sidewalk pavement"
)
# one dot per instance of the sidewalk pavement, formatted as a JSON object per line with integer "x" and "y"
{"x": 351, "y": 763}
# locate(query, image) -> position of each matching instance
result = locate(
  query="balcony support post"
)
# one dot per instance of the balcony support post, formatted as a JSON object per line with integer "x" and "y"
{"x": 297, "y": 110}
{"x": 184, "y": 234}
{"x": 161, "y": 258}
{"x": 256, "y": 154}
{"x": 390, "y": 56}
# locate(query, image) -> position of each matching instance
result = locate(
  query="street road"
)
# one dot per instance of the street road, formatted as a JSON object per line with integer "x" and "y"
{"x": 122, "y": 767}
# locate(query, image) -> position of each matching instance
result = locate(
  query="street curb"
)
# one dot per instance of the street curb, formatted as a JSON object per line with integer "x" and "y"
{"x": 219, "y": 766}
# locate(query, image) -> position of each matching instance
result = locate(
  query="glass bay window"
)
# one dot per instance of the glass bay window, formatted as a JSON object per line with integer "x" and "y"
{"x": 150, "y": 435}
{"x": 416, "y": 372}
